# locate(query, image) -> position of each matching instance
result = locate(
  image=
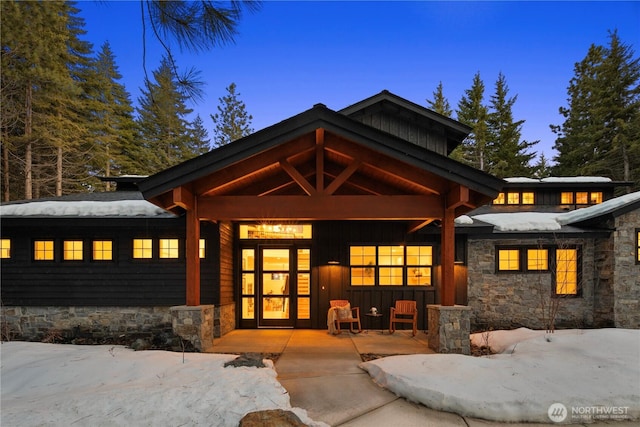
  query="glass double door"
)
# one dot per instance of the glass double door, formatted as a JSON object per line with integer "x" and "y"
{"x": 276, "y": 285}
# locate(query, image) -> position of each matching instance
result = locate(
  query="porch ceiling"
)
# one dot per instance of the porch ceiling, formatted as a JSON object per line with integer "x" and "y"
{"x": 321, "y": 165}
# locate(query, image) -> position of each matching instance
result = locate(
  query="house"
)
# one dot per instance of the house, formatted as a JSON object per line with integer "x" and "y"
{"x": 358, "y": 204}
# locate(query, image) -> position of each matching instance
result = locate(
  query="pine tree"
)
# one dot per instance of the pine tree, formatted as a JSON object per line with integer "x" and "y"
{"x": 601, "y": 131}
{"x": 162, "y": 118}
{"x": 232, "y": 120}
{"x": 542, "y": 169}
{"x": 113, "y": 132}
{"x": 200, "y": 142}
{"x": 440, "y": 104}
{"x": 472, "y": 112}
{"x": 42, "y": 59}
{"x": 508, "y": 154}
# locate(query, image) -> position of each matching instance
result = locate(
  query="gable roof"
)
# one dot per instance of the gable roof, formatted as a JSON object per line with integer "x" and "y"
{"x": 305, "y": 123}
{"x": 455, "y": 132}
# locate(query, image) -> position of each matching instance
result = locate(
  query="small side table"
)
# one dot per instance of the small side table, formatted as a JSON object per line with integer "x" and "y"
{"x": 375, "y": 316}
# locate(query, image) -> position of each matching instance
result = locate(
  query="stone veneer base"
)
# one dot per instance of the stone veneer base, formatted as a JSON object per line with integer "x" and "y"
{"x": 449, "y": 328}
{"x": 194, "y": 324}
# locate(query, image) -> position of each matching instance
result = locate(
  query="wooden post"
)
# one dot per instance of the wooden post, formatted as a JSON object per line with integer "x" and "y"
{"x": 448, "y": 248}
{"x": 193, "y": 256}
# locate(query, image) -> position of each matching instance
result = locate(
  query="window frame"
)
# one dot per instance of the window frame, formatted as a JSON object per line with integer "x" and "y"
{"x": 93, "y": 250}
{"x": 133, "y": 250}
{"x": 6, "y": 250}
{"x": 377, "y": 267}
{"x": 73, "y": 251}
{"x": 554, "y": 272}
{"x": 170, "y": 250}
{"x": 53, "y": 250}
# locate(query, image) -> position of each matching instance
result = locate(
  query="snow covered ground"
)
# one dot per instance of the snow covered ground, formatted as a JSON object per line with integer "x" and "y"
{"x": 585, "y": 370}
{"x": 70, "y": 385}
{"x": 595, "y": 374}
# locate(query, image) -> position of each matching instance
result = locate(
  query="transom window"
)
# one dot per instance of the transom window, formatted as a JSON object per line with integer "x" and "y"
{"x": 391, "y": 265}
{"x": 43, "y": 250}
{"x": 5, "y": 248}
{"x": 102, "y": 250}
{"x": 72, "y": 250}
{"x": 142, "y": 248}
{"x": 275, "y": 231}
{"x": 168, "y": 248}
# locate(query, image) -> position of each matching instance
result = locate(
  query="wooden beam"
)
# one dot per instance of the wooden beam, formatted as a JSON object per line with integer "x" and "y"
{"x": 297, "y": 177}
{"x": 192, "y": 249}
{"x": 319, "y": 159}
{"x": 321, "y": 207}
{"x": 343, "y": 176}
{"x": 447, "y": 257}
{"x": 183, "y": 197}
{"x": 458, "y": 196}
{"x": 417, "y": 225}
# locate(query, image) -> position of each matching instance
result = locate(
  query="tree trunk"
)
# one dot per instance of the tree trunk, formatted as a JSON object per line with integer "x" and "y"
{"x": 59, "y": 172}
{"x": 6, "y": 195}
{"x": 28, "y": 178}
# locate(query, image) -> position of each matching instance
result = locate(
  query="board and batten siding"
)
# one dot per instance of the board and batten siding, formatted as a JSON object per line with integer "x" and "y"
{"x": 124, "y": 281}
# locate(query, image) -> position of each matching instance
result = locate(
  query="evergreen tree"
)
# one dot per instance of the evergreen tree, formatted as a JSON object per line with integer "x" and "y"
{"x": 601, "y": 131}
{"x": 42, "y": 59}
{"x": 113, "y": 130}
{"x": 200, "y": 142}
{"x": 440, "y": 104}
{"x": 472, "y": 112}
{"x": 542, "y": 169}
{"x": 508, "y": 154}
{"x": 232, "y": 120}
{"x": 162, "y": 119}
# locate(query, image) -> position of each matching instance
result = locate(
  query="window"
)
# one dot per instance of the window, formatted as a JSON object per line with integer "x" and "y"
{"x": 508, "y": 259}
{"x": 566, "y": 198}
{"x": 72, "y": 250}
{"x": 102, "y": 250}
{"x": 391, "y": 265}
{"x": 582, "y": 198}
{"x": 362, "y": 261}
{"x": 142, "y": 248}
{"x": 513, "y": 198}
{"x": 202, "y": 248}
{"x": 168, "y": 248}
{"x": 566, "y": 272}
{"x": 595, "y": 198}
{"x": 275, "y": 231}
{"x": 528, "y": 198}
{"x": 537, "y": 259}
{"x": 43, "y": 250}
{"x": 5, "y": 248}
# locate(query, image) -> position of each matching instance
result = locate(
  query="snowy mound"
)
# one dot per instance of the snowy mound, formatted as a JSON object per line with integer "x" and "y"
{"x": 586, "y": 371}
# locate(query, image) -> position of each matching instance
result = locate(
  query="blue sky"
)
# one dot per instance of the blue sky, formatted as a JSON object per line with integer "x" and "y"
{"x": 291, "y": 55}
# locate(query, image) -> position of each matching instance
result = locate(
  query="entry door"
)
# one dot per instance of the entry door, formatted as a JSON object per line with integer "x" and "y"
{"x": 275, "y": 287}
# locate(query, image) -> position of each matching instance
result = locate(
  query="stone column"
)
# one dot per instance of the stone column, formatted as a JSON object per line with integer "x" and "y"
{"x": 449, "y": 328}
{"x": 194, "y": 324}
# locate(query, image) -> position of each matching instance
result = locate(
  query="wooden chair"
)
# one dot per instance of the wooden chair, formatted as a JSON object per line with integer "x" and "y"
{"x": 344, "y": 313}
{"x": 405, "y": 311}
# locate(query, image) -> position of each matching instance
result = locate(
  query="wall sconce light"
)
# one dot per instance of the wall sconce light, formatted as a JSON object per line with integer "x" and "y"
{"x": 333, "y": 262}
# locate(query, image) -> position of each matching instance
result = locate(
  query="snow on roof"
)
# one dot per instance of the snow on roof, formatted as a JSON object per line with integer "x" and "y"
{"x": 559, "y": 179}
{"x": 119, "y": 208}
{"x": 521, "y": 221}
{"x": 464, "y": 219}
{"x": 549, "y": 221}
{"x": 594, "y": 211}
